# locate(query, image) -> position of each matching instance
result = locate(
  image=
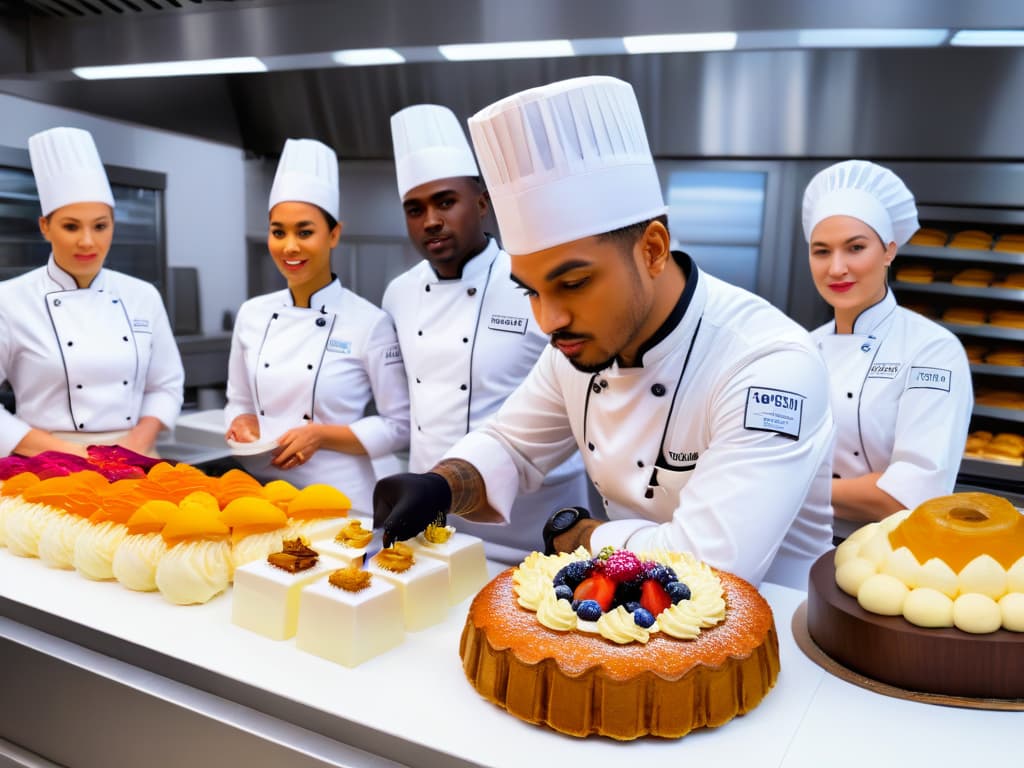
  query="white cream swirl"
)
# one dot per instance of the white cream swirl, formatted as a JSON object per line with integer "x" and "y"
{"x": 532, "y": 583}
{"x": 556, "y": 614}
{"x": 249, "y": 549}
{"x": 136, "y": 559}
{"x": 25, "y": 524}
{"x": 619, "y": 626}
{"x": 95, "y": 550}
{"x": 56, "y": 546}
{"x": 194, "y": 571}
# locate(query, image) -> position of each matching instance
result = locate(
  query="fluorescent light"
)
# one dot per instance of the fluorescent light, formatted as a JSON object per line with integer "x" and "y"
{"x": 366, "y": 57}
{"x": 994, "y": 38}
{"x": 870, "y": 38}
{"x": 702, "y": 41}
{"x": 525, "y": 49}
{"x": 172, "y": 68}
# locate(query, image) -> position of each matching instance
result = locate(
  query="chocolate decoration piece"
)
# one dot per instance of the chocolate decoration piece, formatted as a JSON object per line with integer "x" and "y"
{"x": 295, "y": 557}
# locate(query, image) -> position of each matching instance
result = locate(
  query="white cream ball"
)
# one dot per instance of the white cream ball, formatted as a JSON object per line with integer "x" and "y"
{"x": 936, "y": 574}
{"x": 977, "y": 614}
{"x": 985, "y": 576}
{"x": 902, "y": 564}
{"x": 882, "y": 594}
{"x": 1012, "y": 608}
{"x": 925, "y": 607}
{"x": 851, "y": 574}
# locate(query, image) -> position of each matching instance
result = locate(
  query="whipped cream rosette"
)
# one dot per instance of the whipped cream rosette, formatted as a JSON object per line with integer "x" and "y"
{"x": 258, "y": 528}
{"x": 42, "y": 514}
{"x": 198, "y": 563}
{"x": 623, "y": 596}
{"x": 96, "y": 546}
{"x": 10, "y": 498}
{"x": 318, "y": 511}
{"x": 140, "y": 551}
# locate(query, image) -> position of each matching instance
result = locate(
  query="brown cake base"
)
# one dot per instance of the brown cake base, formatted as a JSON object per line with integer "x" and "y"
{"x": 892, "y": 650}
{"x": 580, "y": 683}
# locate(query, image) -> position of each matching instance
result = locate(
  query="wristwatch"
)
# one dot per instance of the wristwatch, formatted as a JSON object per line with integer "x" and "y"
{"x": 560, "y": 522}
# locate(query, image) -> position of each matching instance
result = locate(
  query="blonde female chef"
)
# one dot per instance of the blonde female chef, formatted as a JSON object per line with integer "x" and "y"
{"x": 89, "y": 352}
{"x": 900, "y": 384}
{"x": 306, "y": 361}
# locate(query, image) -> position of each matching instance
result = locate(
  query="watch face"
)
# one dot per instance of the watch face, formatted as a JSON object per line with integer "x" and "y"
{"x": 564, "y": 519}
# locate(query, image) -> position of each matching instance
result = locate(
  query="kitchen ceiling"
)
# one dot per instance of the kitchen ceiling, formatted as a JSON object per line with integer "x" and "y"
{"x": 744, "y": 102}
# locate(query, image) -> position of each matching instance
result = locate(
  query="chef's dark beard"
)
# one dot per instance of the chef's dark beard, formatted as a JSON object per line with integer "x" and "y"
{"x": 592, "y": 367}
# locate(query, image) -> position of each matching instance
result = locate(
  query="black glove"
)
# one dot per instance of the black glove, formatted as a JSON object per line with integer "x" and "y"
{"x": 406, "y": 504}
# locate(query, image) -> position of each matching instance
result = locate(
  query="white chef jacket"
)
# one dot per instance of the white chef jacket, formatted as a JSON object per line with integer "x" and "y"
{"x": 718, "y": 442}
{"x": 902, "y": 400}
{"x": 467, "y": 343}
{"x": 87, "y": 360}
{"x": 293, "y": 365}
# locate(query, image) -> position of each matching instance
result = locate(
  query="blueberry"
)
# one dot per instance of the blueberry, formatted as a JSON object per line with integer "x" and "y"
{"x": 562, "y": 592}
{"x": 574, "y": 573}
{"x": 631, "y": 606}
{"x": 628, "y": 591}
{"x": 662, "y": 574}
{"x": 589, "y": 610}
{"x": 643, "y": 618}
{"x": 575, "y": 604}
{"x": 678, "y": 591}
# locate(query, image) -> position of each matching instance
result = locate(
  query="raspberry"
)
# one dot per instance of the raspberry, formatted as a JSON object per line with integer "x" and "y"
{"x": 622, "y": 565}
{"x": 678, "y": 591}
{"x": 661, "y": 574}
{"x": 572, "y": 574}
{"x": 642, "y": 618}
{"x": 589, "y": 610}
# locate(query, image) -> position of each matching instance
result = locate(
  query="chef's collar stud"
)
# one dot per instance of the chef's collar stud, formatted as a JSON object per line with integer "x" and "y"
{"x": 865, "y": 347}
{"x": 658, "y": 390}
{"x": 471, "y": 291}
{"x": 321, "y": 322}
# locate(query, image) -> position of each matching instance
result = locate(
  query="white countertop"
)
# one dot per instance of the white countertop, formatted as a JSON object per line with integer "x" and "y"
{"x": 419, "y": 691}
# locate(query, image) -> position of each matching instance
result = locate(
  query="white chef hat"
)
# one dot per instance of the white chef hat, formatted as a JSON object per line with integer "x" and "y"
{"x": 565, "y": 161}
{"x": 865, "y": 191}
{"x": 429, "y": 145}
{"x": 306, "y": 173}
{"x": 68, "y": 169}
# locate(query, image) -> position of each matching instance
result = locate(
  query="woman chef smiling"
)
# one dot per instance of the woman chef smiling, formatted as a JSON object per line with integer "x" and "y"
{"x": 901, "y": 384}
{"x": 88, "y": 352}
{"x": 306, "y": 360}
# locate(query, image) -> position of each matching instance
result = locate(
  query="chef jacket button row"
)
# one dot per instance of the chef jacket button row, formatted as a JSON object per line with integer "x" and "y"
{"x": 599, "y": 385}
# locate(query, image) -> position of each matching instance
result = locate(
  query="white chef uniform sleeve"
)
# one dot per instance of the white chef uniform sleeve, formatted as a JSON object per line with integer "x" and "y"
{"x": 524, "y": 440}
{"x": 932, "y": 421}
{"x": 388, "y": 429}
{"x": 165, "y": 378}
{"x": 239, "y": 393}
{"x": 12, "y": 429}
{"x": 749, "y": 484}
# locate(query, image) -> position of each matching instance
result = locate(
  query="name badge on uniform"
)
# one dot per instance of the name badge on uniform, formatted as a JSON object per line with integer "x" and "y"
{"x": 339, "y": 346}
{"x": 774, "y": 410}
{"x": 140, "y": 325}
{"x": 393, "y": 354}
{"x": 929, "y": 378}
{"x": 508, "y": 324}
{"x": 884, "y": 370}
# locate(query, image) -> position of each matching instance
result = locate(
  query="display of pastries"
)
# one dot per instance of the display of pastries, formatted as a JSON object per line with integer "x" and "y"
{"x": 929, "y": 236}
{"x": 980, "y": 278}
{"x": 1000, "y": 398}
{"x": 965, "y": 315}
{"x": 1010, "y": 243}
{"x": 1010, "y": 318}
{"x": 974, "y": 239}
{"x": 1005, "y": 447}
{"x": 915, "y": 273}
{"x": 1013, "y": 356}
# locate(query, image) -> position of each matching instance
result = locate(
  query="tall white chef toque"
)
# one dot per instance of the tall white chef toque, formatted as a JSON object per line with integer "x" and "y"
{"x": 67, "y": 169}
{"x": 429, "y": 145}
{"x": 864, "y": 191}
{"x": 307, "y": 173}
{"x": 565, "y": 161}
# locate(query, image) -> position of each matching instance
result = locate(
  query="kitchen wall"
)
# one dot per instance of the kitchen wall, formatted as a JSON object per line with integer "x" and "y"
{"x": 204, "y": 204}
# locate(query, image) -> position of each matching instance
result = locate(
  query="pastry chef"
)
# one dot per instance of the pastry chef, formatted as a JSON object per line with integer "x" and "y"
{"x": 89, "y": 352}
{"x": 900, "y": 383}
{"x": 467, "y": 334}
{"x": 700, "y": 410}
{"x": 306, "y": 361}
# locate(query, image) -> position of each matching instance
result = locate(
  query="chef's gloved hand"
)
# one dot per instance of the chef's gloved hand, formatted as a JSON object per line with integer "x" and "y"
{"x": 406, "y": 504}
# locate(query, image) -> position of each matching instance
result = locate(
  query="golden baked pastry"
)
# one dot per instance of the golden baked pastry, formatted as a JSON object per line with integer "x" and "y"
{"x": 1013, "y": 280}
{"x": 915, "y": 274}
{"x": 1005, "y": 356}
{"x": 1010, "y": 244}
{"x": 976, "y": 442}
{"x": 964, "y": 315}
{"x": 1011, "y": 318}
{"x": 974, "y": 239}
{"x": 580, "y": 682}
{"x": 975, "y": 353}
{"x": 1001, "y": 398}
{"x": 929, "y": 236}
{"x": 974, "y": 277}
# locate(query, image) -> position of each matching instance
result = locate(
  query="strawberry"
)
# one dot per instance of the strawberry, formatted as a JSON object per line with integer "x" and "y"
{"x": 653, "y": 597}
{"x": 599, "y": 588}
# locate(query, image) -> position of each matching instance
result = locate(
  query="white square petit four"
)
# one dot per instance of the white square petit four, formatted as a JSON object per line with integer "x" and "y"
{"x": 265, "y": 598}
{"x": 322, "y": 528}
{"x": 423, "y": 588}
{"x": 339, "y": 551}
{"x": 467, "y": 562}
{"x": 349, "y": 627}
